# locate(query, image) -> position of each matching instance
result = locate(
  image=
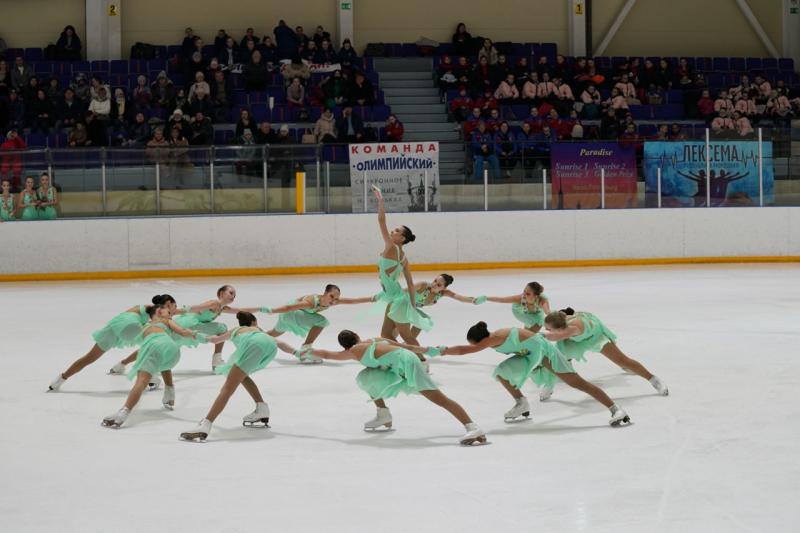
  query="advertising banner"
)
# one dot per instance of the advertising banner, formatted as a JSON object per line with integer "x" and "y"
{"x": 576, "y": 171}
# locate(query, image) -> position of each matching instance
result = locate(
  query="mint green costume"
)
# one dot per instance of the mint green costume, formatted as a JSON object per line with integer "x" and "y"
{"x": 254, "y": 350}
{"x": 122, "y": 330}
{"x": 158, "y": 352}
{"x": 7, "y": 208}
{"x": 401, "y": 310}
{"x": 527, "y": 358}
{"x": 527, "y": 317}
{"x": 394, "y": 372}
{"x": 202, "y": 322}
{"x": 48, "y": 212}
{"x": 301, "y": 321}
{"x": 595, "y": 335}
{"x": 29, "y": 213}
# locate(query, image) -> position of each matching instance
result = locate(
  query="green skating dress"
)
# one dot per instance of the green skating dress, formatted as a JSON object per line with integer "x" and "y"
{"x": 528, "y": 317}
{"x": 48, "y": 212}
{"x": 595, "y": 335}
{"x": 254, "y": 350}
{"x": 301, "y": 321}
{"x": 527, "y": 358}
{"x": 158, "y": 352}
{"x": 401, "y": 310}
{"x": 395, "y": 372}
{"x": 202, "y": 322}
{"x": 30, "y": 211}
{"x": 7, "y": 208}
{"x": 122, "y": 330}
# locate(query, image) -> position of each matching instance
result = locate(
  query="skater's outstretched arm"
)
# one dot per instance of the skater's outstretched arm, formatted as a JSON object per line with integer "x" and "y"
{"x": 566, "y": 333}
{"x": 216, "y": 339}
{"x": 466, "y": 349}
{"x": 504, "y": 299}
{"x": 344, "y": 355}
{"x": 200, "y": 307}
{"x": 409, "y": 347}
{"x": 179, "y": 330}
{"x": 459, "y": 298}
{"x": 302, "y": 304}
{"x": 350, "y": 301}
{"x": 387, "y": 238}
{"x": 286, "y": 347}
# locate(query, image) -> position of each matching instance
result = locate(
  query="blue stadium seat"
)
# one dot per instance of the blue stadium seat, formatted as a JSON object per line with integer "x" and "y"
{"x": 668, "y": 112}
{"x": 223, "y": 137}
{"x": 703, "y": 64}
{"x": 36, "y": 140}
{"x": 156, "y": 65}
{"x": 260, "y": 112}
{"x": 674, "y": 96}
{"x": 118, "y": 66}
{"x": 33, "y": 54}
{"x": 641, "y": 112}
{"x": 786, "y": 64}
{"x": 80, "y": 66}
{"x": 769, "y": 63}
{"x": 100, "y": 66}
{"x": 754, "y": 63}
{"x": 721, "y": 64}
{"x": 737, "y": 63}
{"x": 43, "y": 67}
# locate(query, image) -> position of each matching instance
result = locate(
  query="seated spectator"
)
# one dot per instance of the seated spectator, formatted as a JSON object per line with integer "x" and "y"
{"x": 664, "y": 75}
{"x": 723, "y": 122}
{"x": 627, "y": 90}
{"x": 82, "y": 91}
{"x": 705, "y": 106}
{"x": 631, "y": 138}
{"x": 723, "y": 103}
{"x": 544, "y": 144}
{"x": 676, "y": 133}
{"x": 779, "y": 109}
{"x": 361, "y": 91}
{"x": 592, "y": 101}
{"x": 499, "y": 70}
{"x": 493, "y": 122}
{"x": 488, "y": 51}
{"x": 200, "y": 83}
{"x": 483, "y": 149}
{"x": 530, "y": 87}
{"x": 21, "y": 74}
{"x": 247, "y": 163}
{"x": 393, "y": 129}
{"x": 461, "y": 105}
{"x": 201, "y": 104}
{"x": 249, "y": 35}
{"x": 142, "y": 95}
{"x": 526, "y": 148}
{"x": 255, "y": 74}
{"x": 683, "y": 69}
{"x": 307, "y": 53}
{"x": 96, "y": 84}
{"x": 195, "y": 64}
{"x": 506, "y": 146}
{"x": 69, "y": 110}
{"x": 743, "y": 88}
{"x": 463, "y": 71}
{"x": 264, "y": 134}
{"x": 534, "y": 119}
{"x": 247, "y": 50}
{"x": 296, "y": 94}
{"x": 764, "y": 89}
{"x": 179, "y": 101}
{"x": 201, "y": 132}
{"x": 350, "y": 126}
{"x": 245, "y": 122}
{"x": 543, "y": 67}
{"x": 471, "y": 123}
{"x": 137, "y": 134}
{"x": 742, "y": 125}
{"x": 746, "y": 106}
{"x": 662, "y": 134}
{"x": 11, "y": 159}
{"x": 53, "y": 90}
{"x": 68, "y": 46}
{"x": 96, "y": 130}
{"x": 546, "y": 89}
{"x": 617, "y": 102}
{"x": 78, "y": 137}
{"x": 269, "y": 52}
{"x": 325, "y": 127}
{"x": 100, "y": 105}
{"x": 521, "y": 70}
{"x": 178, "y": 121}
{"x": 163, "y": 92}
{"x": 334, "y": 89}
{"x": 121, "y": 112}
{"x": 446, "y": 77}
{"x": 487, "y": 103}
{"x": 325, "y": 54}
{"x": 507, "y": 92}
{"x": 347, "y": 55}
{"x": 563, "y": 98}
{"x": 295, "y": 69}
{"x": 158, "y": 140}
{"x": 481, "y": 79}
{"x": 560, "y": 128}
{"x": 609, "y": 125}
{"x": 42, "y": 113}
{"x": 462, "y": 41}
{"x": 16, "y": 110}
{"x": 228, "y": 54}
{"x": 221, "y": 96}
{"x": 29, "y": 92}
{"x": 655, "y": 95}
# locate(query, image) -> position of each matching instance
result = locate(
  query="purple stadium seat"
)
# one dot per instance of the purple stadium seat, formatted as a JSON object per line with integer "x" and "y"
{"x": 380, "y": 112}
{"x": 43, "y": 67}
{"x": 13, "y": 53}
{"x": 703, "y": 64}
{"x": 721, "y": 64}
{"x": 446, "y": 48}
{"x": 617, "y": 60}
{"x": 33, "y": 54}
{"x": 223, "y": 137}
{"x": 100, "y": 66}
{"x": 737, "y": 63}
{"x": 136, "y": 66}
{"x": 156, "y": 65}
{"x": 641, "y": 112}
{"x": 61, "y": 140}
{"x": 754, "y": 63}
{"x": 668, "y": 112}
{"x": 769, "y": 63}
{"x": 674, "y": 96}
{"x": 550, "y": 50}
{"x": 174, "y": 50}
{"x": 260, "y": 112}
{"x": 80, "y": 66}
{"x": 786, "y": 64}
{"x": 118, "y": 66}
{"x": 647, "y": 130}
{"x": 715, "y": 80}
{"x": 240, "y": 98}
{"x": 409, "y": 50}
{"x": 36, "y": 140}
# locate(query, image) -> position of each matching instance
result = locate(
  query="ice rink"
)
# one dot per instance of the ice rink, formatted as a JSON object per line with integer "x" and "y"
{"x": 721, "y": 453}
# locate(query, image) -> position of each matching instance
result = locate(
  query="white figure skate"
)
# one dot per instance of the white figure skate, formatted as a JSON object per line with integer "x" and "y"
{"x": 619, "y": 418}
{"x": 258, "y": 418}
{"x": 116, "y": 420}
{"x": 382, "y": 421}
{"x": 520, "y": 411}
{"x": 55, "y": 385}
{"x": 216, "y": 360}
{"x": 117, "y": 370}
{"x": 199, "y": 433}
{"x": 660, "y": 386}
{"x": 169, "y": 397}
{"x": 474, "y": 435}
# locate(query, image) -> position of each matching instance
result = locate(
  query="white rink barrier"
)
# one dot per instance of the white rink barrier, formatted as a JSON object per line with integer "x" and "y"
{"x": 306, "y": 243}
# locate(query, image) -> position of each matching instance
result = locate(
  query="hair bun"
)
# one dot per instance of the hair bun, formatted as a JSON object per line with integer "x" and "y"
{"x": 412, "y": 238}
{"x": 158, "y": 299}
{"x": 568, "y": 311}
{"x": 240, "y": 315}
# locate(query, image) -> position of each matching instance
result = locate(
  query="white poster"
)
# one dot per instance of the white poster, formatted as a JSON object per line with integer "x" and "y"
{"x": 400, "y": 170}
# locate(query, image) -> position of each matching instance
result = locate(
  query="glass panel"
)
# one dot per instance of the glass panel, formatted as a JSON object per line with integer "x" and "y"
{"x": 185, "y": 181}
{"x": 78, "y": 174}
{"x": 239, "y": 179}
{"x": 131, "y": 182}
{"x": 282, "y": 163}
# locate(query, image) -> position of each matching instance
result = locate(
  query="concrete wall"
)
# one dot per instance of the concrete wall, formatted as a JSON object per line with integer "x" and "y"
{"x": 351, "y": 240}
{"x": 36, "y": 23}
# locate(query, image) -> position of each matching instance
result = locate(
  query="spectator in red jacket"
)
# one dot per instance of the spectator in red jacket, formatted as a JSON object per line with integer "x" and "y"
{"x": 534, "y": 120}
{"x": 705, "y": 106}
{"x": 461, "y": 106}
{"x": 487, "y": 103}
{"x": 471, "y": 124}
{"x": 11, "y": 163}
{"x": 393, "y": 130}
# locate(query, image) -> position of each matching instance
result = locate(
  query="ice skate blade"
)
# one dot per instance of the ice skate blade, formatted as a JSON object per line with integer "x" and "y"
{"x": 257, "y": 424}
{"x": 621, "y": 422}
{"x": 194, "y": 436}
{"x": 110, "y": 424}
{"x": 307, "y": 362}
{"x": 545, "y": 398}
{"x": 516, "y": 420}
{"x": 477, "y": 441}
{"x": 380, "y": 429}
{"x": 168, "y": 406}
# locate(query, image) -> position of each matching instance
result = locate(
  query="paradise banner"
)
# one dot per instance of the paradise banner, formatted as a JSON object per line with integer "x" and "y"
{"x": 733, "y": 172}
{"x": 399, "y": 170}
{"x": 576, "y": 170}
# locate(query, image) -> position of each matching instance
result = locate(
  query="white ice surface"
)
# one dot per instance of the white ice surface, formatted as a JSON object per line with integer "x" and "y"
{"x": 718, "y": 455}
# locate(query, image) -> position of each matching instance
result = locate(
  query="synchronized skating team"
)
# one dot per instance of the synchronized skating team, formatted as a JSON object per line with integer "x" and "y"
{"x": 160, "y": 329}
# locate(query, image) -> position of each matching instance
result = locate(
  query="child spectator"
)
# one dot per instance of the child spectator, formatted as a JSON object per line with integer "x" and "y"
{"x": 325, "y": 127}
{"x": 142, "y": 95}
{"x": 296, "y": 94}
{"x": 507, "y": 91}
{"x": 393, "y": 129}
{"x": 461, "y": 105}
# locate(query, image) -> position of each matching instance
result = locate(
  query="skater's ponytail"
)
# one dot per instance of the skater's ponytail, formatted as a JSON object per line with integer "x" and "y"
{"x": 536, "y": 287}
{"x": 245, "y": 319}
{"x": 448, "y": 279}
{"x": 347, "y": 339}
{"x": 568, "y": 311}
{"x": 557, "y": 319}
{"x": 408, "y": 235}
{"x": 478, "y": 332}
{"x": 331, "y": 287}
